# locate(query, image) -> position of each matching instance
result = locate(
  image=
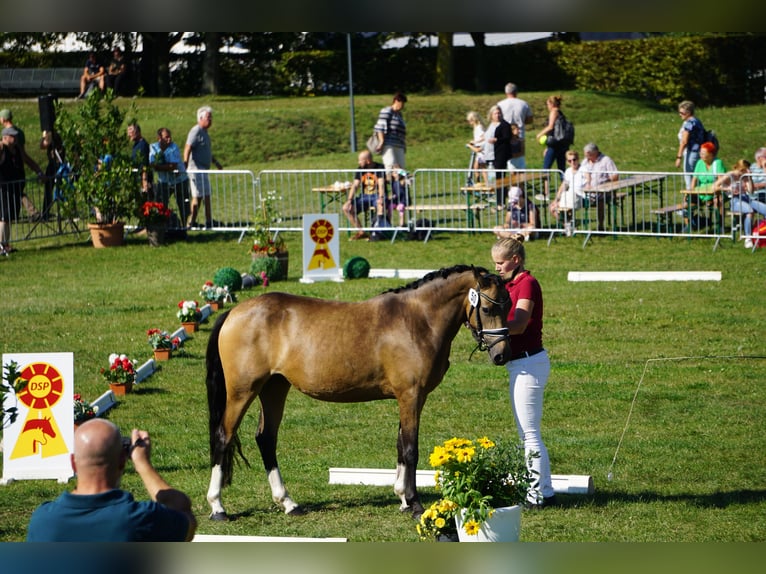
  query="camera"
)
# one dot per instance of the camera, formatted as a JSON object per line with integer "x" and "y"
{"x": 126, "y": 445}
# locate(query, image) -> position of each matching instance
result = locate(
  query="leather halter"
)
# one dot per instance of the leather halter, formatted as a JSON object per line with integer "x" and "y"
{"x": 479, "y": 332}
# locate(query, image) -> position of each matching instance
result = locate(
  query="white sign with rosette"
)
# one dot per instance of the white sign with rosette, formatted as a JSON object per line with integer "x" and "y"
{"x": 38, "y": 443}
{"x": 321, "y": 248}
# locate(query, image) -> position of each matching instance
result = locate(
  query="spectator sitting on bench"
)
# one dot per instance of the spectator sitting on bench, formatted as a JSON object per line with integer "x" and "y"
{"x": 93, "y": 73}
{"x": 599, "y": 168}
{"x": 372, "y": 180}
{"x": 570, "y": 195}
{"x": 522, "y": 215}
{"x": 116, "y": 72}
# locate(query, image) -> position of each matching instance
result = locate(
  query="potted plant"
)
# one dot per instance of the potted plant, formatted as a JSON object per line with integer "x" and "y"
{"x": 266, "y": 243}
{"x": 120, "y": 375}
{"x": 190, "y": 315}
{"x": 83, "y": 410}
{"x": 215, "y": 295}
{"x": 155, "y": 217}
{"x": 481, "y": 483}
{"x": 162, "y": 344}
{"x": 105, "y": 180}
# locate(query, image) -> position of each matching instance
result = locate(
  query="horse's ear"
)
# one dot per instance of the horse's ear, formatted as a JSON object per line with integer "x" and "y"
{"x": 476, "y": 273}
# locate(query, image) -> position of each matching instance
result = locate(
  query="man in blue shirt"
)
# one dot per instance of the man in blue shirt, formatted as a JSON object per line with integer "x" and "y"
{"x": 97, "y": 510}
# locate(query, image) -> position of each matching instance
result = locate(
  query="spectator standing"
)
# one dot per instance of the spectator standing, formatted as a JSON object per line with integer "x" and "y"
{"x": 92, "y": 73}
{"x": 530, "y": 367}
{"x": 140, "y": 156}
{"x": 476, "y": 145}
{"x": 598, "y": 168}
{"x": 501, "y": 140}
{"x": 554, "y": 150}
{"x": 392, "y": 133}
{"x": 691, "y": 135}
{"x": 198, "y": 155}
{"x": 116, "y": 72}
{"x": 53, "y": 145}
{"x": 166, "y": 160}
{"x": 493, "y": 120}
{"x": 370, "y": 177}
{"x": 6, "y": 119}
{"x": 98, "y": 510}
{"x": 516, "y": 111}
{"x": 11, "y": 178}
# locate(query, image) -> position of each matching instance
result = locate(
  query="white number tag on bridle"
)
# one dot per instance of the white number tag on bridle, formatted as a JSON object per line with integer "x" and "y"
{"x": 473, "y": 298}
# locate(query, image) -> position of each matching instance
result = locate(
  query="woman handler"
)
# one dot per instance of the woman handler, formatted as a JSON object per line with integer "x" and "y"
{"x": 529, "y": 366}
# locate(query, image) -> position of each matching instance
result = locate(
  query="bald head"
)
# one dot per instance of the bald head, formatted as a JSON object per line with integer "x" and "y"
{"x": 365, "y": 158}
{"x": 97, "y": 447}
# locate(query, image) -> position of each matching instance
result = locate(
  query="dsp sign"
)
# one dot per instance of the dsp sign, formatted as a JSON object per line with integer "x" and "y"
{"x": 37, "y": 444}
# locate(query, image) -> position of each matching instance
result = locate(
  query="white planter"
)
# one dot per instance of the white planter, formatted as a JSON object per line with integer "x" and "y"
{"x": 503, "y": 526}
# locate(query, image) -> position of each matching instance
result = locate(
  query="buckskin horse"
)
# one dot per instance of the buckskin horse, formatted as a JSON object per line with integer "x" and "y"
{"x": 266, "y": 344}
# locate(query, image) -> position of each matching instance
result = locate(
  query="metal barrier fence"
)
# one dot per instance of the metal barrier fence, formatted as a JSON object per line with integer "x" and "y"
{"x": 653, "y": 204}
{"x": 39, "y": 214}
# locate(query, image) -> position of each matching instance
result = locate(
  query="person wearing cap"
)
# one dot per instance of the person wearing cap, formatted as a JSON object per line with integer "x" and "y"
{"x": 6, "y": 119}
{"x": 11, "y": 179}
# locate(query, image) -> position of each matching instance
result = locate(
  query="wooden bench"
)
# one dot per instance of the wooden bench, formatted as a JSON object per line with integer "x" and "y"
{"x": 665, "y": 216}
{"x": 40, "y": 80}
{"x": 472, "y": 210}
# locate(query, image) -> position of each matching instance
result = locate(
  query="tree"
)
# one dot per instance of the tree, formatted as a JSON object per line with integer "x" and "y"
{"x": 445, "y": 76}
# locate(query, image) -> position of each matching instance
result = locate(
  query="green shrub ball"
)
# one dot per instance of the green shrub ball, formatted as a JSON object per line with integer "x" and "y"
{"x": 228, "y": 277}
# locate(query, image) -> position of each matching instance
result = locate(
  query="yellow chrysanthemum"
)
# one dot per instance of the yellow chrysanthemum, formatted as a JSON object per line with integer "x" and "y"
{"x": 471, "y": 527}
{"x": 440, "y": 522}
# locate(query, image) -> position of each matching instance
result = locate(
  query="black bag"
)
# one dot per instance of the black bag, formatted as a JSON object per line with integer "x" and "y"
{"x": 381, "y": 229}
{"x": 709, "y": 136}
{"x": 563, "y": 131}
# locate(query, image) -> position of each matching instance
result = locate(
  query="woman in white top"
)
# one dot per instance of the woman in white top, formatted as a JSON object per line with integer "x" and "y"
{"x": 570, "y": 193}
{"x": 476, "y": 145}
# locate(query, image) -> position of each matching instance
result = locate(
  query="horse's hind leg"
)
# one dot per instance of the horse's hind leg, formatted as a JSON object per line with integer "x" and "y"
{"x": 273, "y": 396}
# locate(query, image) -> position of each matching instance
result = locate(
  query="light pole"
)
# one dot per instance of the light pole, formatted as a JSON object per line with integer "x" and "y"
{"x": 351, "y": 94}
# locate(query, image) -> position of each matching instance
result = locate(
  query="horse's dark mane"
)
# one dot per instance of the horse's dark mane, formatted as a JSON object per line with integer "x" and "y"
{"x": 442, "y": 273}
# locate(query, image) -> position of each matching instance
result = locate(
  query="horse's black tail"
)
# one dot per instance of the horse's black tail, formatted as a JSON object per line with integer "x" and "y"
{"x": 220, "y": 452}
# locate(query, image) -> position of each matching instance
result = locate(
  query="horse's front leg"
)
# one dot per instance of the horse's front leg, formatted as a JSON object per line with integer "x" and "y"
{"x": 217, "y": 511}
{"x": 407, "y": 451}
{"x": 273, "y": 396}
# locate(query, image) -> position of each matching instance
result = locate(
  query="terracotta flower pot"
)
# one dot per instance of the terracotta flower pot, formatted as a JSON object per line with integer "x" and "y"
{"x": 120, "y": 390}
{"x": 107, "y": 234}
{"x": 190, "y": 326}
{"x": 162, "y": 354}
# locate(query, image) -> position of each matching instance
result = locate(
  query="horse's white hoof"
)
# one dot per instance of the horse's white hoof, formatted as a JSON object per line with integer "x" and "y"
{"x": 218, "y": 516}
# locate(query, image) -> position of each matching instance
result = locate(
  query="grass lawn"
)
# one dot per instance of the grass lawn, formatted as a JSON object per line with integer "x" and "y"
{"x": 690, "y": 467}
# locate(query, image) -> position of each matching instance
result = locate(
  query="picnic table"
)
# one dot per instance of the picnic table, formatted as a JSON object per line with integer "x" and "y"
{"x": 630, "y": 185}
{"x": 515, "y": 178}
{"x": 330, "y": 193}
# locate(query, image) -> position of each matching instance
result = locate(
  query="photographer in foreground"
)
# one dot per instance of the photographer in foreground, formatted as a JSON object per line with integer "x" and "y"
{"x": 98, "y": 510}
